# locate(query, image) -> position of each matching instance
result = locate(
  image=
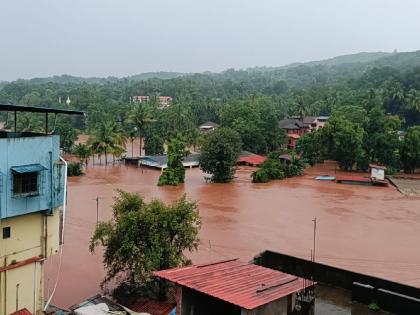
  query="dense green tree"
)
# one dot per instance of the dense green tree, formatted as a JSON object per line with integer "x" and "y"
{"x": 220, "y": 150}
{"x": 177, "y": 120}
{"x": 270, "y": 169}
{"x": 354, "y": 113}
{"x": 276, "y": 167}
{"x": 153, "y": 145}
{"x": 144, "y": 237}
{"x": 68, "y": 135}
{"x": 256, "y": 121}
{"x": 342, "y": 141}
{"x": 310, "y": 147}
{"x": 295, "y": 167}
{"x": 174, "y": 174}
{"x": 410, "y": 152}
{"x": 381, "y": 142}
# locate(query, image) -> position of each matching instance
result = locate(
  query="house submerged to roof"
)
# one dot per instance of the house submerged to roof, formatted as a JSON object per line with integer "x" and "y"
{"x": 208, "y": 126}
{"x": 161, "y": 161}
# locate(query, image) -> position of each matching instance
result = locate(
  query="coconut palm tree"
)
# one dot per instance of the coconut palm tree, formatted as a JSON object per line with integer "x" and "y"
{"x": 117, "y": 152}
{"x": 83, "y": 152}
{"x": 106, "y": 136}
{"x": 140, "y": 115}
{"x": 413, "y": 97}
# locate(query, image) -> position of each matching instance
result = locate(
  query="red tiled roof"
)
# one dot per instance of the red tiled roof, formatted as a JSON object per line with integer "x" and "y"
{"x": 253, "y": 159}
{"x": 153, "y": 307}
{"x": 23, "y": 311}
{"x": 245, "y": 285}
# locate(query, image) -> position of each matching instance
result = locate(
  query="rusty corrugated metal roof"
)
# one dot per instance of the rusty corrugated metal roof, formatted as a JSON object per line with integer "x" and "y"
{"x": 23, "y": 311}
{"x": 153, "y": 307}
{"x": 245, "y": 285}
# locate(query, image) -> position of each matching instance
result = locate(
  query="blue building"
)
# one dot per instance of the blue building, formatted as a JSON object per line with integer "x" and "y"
{"x": 31, "y": 174}
{"x": 32, "y": 202}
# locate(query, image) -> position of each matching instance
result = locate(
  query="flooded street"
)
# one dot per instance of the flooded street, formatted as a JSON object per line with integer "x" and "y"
{"x": 367, "y": 229}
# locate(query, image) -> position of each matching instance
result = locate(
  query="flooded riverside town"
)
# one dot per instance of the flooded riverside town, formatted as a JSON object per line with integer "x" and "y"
{"x": 365, "y": 229}
{"x": 209, "y": 158}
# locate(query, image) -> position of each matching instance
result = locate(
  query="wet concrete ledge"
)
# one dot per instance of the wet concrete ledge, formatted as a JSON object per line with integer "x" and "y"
{"x": 389, "y": 295}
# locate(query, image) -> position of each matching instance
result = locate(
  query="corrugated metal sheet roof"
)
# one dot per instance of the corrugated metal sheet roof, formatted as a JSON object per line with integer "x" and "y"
{"x": 23, "y": 311}
{"x": 208, "y": 124}
{"x": 153, "y": 307}
{"x": 291, "y": 123}
{"x": 28, "y": 168}
{"x": 245, "y": 285}
{"x": 160, "y": 160}
{"x": 98, "y": 299}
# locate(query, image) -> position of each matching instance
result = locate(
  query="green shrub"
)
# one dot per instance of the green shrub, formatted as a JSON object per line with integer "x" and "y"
{"x": 74, "y": 169}
{"x": 392, "y": 170}
{"x": 260, "y": 176}
{"x": 174, "y": 174}
{"x": 374, "y": 307}
{"x": 273, "y": 168}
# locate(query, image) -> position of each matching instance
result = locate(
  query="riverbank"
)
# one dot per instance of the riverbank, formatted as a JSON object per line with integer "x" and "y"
{"x": 362, "y": 228}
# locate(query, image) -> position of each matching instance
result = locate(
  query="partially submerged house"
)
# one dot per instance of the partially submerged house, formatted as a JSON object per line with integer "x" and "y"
{"x": 296, "y": 127}
{"x": 161, "y": 161}
{"x": 251, "y": 159}
{"x": 234, "y": 287}
{"x": 208, "y": 126}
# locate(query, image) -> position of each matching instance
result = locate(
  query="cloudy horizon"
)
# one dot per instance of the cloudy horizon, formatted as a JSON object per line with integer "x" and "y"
{"x": 101, "y": 38}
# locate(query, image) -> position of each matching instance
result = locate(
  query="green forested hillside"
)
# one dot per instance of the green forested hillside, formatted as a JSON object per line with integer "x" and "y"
{"x": 389, "y": 79}
{"x": 372, "y": 97}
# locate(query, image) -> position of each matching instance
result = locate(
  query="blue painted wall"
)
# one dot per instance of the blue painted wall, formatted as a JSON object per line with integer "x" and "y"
{"x": 20, "y": 151}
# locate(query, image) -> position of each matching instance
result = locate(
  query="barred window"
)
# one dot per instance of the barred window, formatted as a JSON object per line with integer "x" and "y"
{"x": 26, "y": 183}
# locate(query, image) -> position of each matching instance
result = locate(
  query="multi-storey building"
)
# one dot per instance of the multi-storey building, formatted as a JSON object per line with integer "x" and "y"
{"x": 32, "y": 196}
{"x": 163, "y": 101}
{"x": 296, "y": 127}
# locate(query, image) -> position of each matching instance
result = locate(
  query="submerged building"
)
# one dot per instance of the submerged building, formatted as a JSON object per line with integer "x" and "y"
{"x": 32, "y": 205}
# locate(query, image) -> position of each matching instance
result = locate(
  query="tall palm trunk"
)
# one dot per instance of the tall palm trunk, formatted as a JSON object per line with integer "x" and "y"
{"x": 141, "y": 144}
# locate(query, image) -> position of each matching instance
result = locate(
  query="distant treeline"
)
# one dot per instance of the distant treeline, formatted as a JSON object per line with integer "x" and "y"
{"x": 365, "y": 85}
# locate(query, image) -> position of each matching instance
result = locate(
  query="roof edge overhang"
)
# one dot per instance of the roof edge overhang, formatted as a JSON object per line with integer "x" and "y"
{"x": 37, "y": 109}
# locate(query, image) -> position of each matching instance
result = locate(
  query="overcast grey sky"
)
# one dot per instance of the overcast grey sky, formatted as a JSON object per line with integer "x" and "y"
{"x": 125, "y": 37}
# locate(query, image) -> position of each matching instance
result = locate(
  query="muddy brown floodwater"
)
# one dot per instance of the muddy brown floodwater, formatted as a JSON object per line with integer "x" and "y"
{"x": 367, "y": 229}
